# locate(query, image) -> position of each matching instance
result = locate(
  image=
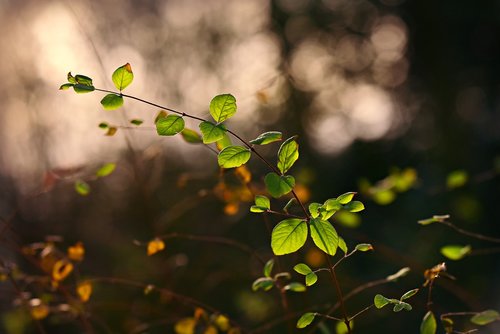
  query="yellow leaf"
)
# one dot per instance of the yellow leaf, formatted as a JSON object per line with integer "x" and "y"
{"x": 185, "y": 326}
{"x": 243, "y": 173}
{"x": 61, "y": 269}
{"x": 200, "y": 313}
{"x": 210, "y": 330}
{"x": 38, "y": 309}
{"x": 155, "y": 245}
{"x": 84, "y": 290}
{"x": 231, "y": 209}
{"x": 76, "y": 252}
{"x": 222, "y": 322}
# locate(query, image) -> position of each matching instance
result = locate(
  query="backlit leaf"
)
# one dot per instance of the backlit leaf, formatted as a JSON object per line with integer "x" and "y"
{"x": 233, "y": 156}
{"x": 268, "y": 268}
{"x": 154, "y": 246}
{"x": 456, "y": 179}
{"x": 262, "y": 201}
{"x": 267, "y": 138}
{"x": 112, "y": 101}
{"x": 295, "y": 286}
{"x": 287, "y": 154}
{"x": 82, "y": 188}
{"x": 211, "y": 132}
{"x": 279, "y": 185}
{"x": 401, "y": 273}
{"x": 170, "y": 125}
{"x": 485, "y": 317}
{"x": 324, "y": 236}
{"x": 123, "y": 76}
{"x": 185, "y": 326}
{"x": 84, "y": 290}
{"x": 71, "y": 78}
{"x": 428, "y": 324}
{"x": 342, "y": 245}
{"x": 314, "y": 209}
{"x": 354, "y": 206}
{"x": 455, "y": 252}
{"x": 61, "y": 269}
{"x": 364, "y": 247}
{"x": 346, "y": 198}
{"x": 66, "y": 86}
{"x": 191, "y": 136}
{"x": 76, "y": 252}
{"x": 106, "y": 169}
{"x": 302, "y": 268}
{"x": 222, "y": 107}
{"x": 288, "y": 236}
{"x": 341, "y": 328}
{"x": 409, "y": 294}
{"x": 224, "y": 142}
{"x": 380, "y": 301}
{"x": 264, "y": 283}
{"x": 306, "y": 319}
{"x": 311, "y": 278}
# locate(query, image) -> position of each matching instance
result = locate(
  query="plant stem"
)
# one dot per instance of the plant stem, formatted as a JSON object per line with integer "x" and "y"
{"x": 361, "y": 312}
{"x": 468, "y": 233}
{"x": 339, "y": 293}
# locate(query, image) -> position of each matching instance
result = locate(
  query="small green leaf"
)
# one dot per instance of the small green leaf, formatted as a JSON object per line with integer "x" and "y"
{"x": 233, "y": 156}
{"x": 409, "y": 294}
{"x": 456, "y": 179}
{"x": 455, "y": 252}
{"x": 283, "y": 275}
{"x": 354, "y": 206}
{"x": 302, "y": 269}
{"x": 71, "y": 78}
{"x": 211, "y": 132}
{"x": 428, "y": 324}
{"x": 332, "y": 204}
{"x": 287, "y": 154}
{"x": 311, "y": 278}
{"x": 264, "y": 283}
{"x": 257, "y": 209}
{"x": 380, "y": 301}
{"x": 305, "y": 320}
{"x": 161, "y": 114}
{"x": 191, "y": 136}
{"x": 279, "y": 185}
{"x": 342, "y": 245}
{"x": 103, "y": 125}
{"x": 222, "y": 107}
{"x": 348, "y": 219}
{"x": 82, "y": 187}
{"x": 82, "y": 89}
{"x": 399, "y": 306}
{"x": 324, "y": 236}
{"x": 341, "y": 328}
{"x": 314, "y": 209}
{"x": 295, "y": 287}
{"x": 262, "y": 201}
{"x": 447, "y": 325}
{"x": 122, "y": 76}
{"x": 364, "y": 247}
{"x": 267, "y": 138}
{"x": 485, "y": 317}
{"x": 136, "y": 122}
{"x": 112, "y": 101}
{"x": 224, "y": 142}
{"x": 66, "y": 86}
{"x": 170, "y": 125}
{"x": 288, "y": 236}
{"x": 268, "y": 268}
{"x": 401, "y": 273}
{"x": 346, "y": 198}
{"x": 106, "y": 169}
{"x": 383, "y": 196}
{"x": 83, "y": 80}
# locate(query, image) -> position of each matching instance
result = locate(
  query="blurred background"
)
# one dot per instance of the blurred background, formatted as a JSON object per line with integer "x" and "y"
{"x": 398, "y": 100}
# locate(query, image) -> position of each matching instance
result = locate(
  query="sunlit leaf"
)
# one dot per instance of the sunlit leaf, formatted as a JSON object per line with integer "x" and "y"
{"x": 71, "y": 78}
{"x": 332, "y": 204}
{"x": 346, "y": 198}
{"x": 268, "y": 268}
{"x": 191, "y": 136}
{"x": 76, "y": 252}
{"x": 302, "y": 269}
{"x": 314, "y": 209}
{"x": 161, "y": 114}
{"x": 111, "y": 131}
{"x": 456, "y": 179}
{"x": 354, "y": 206}
{"x": 211, "y": 132}
{"x": 380, "y": 301}
{"x": 401, "y": 273}
{"x": 224, "y": 142}
{"x": 287, "y": 154}
{"x": 428, "y": 324}
{"x": 455, "y": 252}
{"x": 170, "y": 125}
{"x": 66, "y": 86}
{"x": 106, "y": 169}
{"x": 282, "y": 275}
{"x": 447, "y": 325}
{"x": 364, "y": 247}
{"x": 233, "y": 156}
{"x": 82, "y": 188}
{"x": 84, "y": 290}
{"x": 305, "y": 320}
{"x": 383, "y": 196}
{"x": 61, "y": 269}
{"x": 222, "y": 107}
{"x": 288, "y": 236}
{"x": 295, "y": 287}
{"x": 123, "y": 76}
{"x": 185, "y": 326}
{"x": 154, "y": 246}
{"x": 348, "y": 219}
{"x": 262, "y": 201}
{"x": 222, "y": 322}
{"x": 399, "y": 306}
{"x": 311, "y": 278}
{"x": 279, "y": 185}
{"x": 324, "y": 236}
{"x": 485, "y": 317}
{"x": 112, "y": 101}
{"x": 267, "y": 138}
{"x": 264, "y": 283}
{"x": 341, "y": 327}
{"x": 409, "y": 294}
{"x": 342, "y": 245}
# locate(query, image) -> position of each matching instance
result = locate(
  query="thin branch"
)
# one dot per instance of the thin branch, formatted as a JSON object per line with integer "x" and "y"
{"x": 468, "y": 233}
{"x": 339, "y": 293}
{"x": 361, "y": 312}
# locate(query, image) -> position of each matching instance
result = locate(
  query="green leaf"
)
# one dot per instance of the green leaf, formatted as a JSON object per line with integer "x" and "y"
{"x": 348, "y": 219}
{"x": 170, "y": 125}
{"x": 324, "y": 236}
{"x": 66, "y": 86}
{"x": 401, "y": 273}
{"x": 342, "y": 245}
{"x": 311, "y": 278}
{"x": 455, "y": 252}
{"x": 222, "y": 107}
{"x": 288, "y": 236}
{"x": 447, "y": 324}
{"x": 302, "y": 269}
{"x": 263, "y": 202}
{"x": 399, "y": 306}
{"x": 364, "y": 247}
{"x": 354, "y": 206}
{"x": 257, "y": 209}
{"x": 136, "y": 122}
{"x": 346, "y": 198}
{"x": 112, "y": 101}
{"x": 264, "y": 283}
{"x": 103, "y": 125}
{"x": 233, "y": 156}
{"x": 383, "y": 196}
{"x": 295, "y": 286}
{"x": 341, "y": 328}
{"x": 409, "y": 294}
{"x": 224, "y": 142}
{"x": 106, "y": 169}
{"x": 279, "y": 185}
{"x": 456, "y": 179}
{"x": 161, "y": 114}
{"x": 305, "y": 320}
{"x": 81, "y": 89}
{"x": 380, "y": 301}
{"x": 332, "y": 204}
{"x": 191, "y": 136}
{"x": 267, "y": 138}
{"x": 283, "y": 275}
{"x": 82, "y": 187}
{"x": 485, "y": 317}
{"x": 428, "y": 325}
{"x": 287, "y": 154}
{"x": 83, "y": 80}
{"x": 211, "y": 132}
{"x": 122, "y": 76}
{"x": 434, "y": 219}
{"x": 71, "y": 78}
{"x": 268, "y": 268}
{"x": 314, "y": 209}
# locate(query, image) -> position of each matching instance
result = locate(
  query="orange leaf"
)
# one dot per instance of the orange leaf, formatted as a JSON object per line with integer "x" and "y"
{"x": 76, "y": 252}
{"x": 61, "y": 269}
{"x": 155, "y": 245}
{"x": 38, "y": 309}
{"x": 84, "y": 290}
